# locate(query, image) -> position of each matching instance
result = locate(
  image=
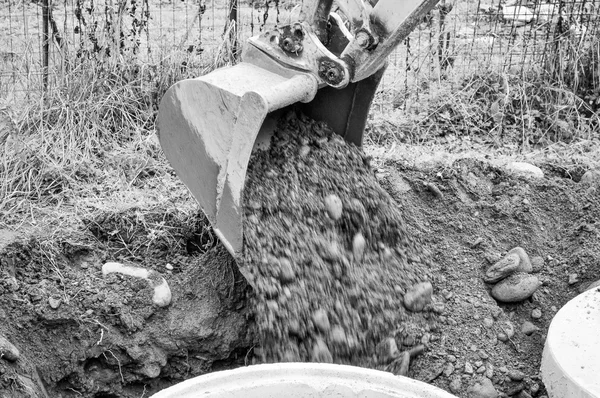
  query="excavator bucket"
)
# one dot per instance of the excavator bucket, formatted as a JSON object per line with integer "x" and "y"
{"x": 208, "y": 128}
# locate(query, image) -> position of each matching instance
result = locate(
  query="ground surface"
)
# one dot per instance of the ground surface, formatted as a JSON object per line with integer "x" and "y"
{"x": 80, "y": 333}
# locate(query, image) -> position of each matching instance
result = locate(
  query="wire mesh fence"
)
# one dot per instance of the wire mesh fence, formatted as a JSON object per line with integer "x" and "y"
{"x": 43, "y": 41}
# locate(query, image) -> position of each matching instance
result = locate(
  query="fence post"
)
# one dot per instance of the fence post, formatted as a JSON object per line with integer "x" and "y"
{"x": 233, "y": 27}
{"x": 46, "y": 41}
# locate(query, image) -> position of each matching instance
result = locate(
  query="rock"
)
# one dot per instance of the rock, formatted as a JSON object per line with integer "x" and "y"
{"x": 321, "y": 320}
{"x": 508, "y": 265}
{"x": 387, "y": 350}
{"x": 524, "y": 394}
{"x": 488, "y": 322}
{"x": 286, "y": 271}
{"x": 528, "y": 328}
{"x": 591, "y": 177}
{"x": 418, "y": 296}
{"x": 409, "y": 340}
{"x": 537, "y": 264}
{"x": 525, "y": 170}
{"x": 535, "y": 387}
{"x": 483, "y": 388}
{"x": 525, "y": 263}
{"x": 7, "y": 350}
{"x": 536, "y": 313}
{"x": 434, "y": 190}
{"x": 573, "y": 279}
{"x": 438, "y": 308}
{"x": 515, "y": 288}
{"x": 448, "y": 369}
{"x": 468, "y": 368}
{"x": 320, "y": 352}
{"x": 54, "y": 302}
{"x": 337, "y": 335}
{"x": 304, "y": 151}
{"x": 515, "y": 389}
{"x": 507, "y": 331}
{"x": 293, "y": 327}
{"x": 516, "y": 375}
{"x": 334, "y": 207}
{"x": 358, "y": 246}
{"x": 455, "y": 385}
{"x": 489, "y": 370}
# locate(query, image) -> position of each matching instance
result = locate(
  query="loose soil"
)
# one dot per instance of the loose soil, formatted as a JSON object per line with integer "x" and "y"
{"x": 106, "y": 339}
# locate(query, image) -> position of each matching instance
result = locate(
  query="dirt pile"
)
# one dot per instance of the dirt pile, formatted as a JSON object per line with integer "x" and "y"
{"x": 82, "y": 334}
{"x": 327, "y": 251}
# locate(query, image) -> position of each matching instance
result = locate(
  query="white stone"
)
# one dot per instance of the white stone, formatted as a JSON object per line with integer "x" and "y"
{"x": 525, "y": 170}
{"x": 162, "y": 293}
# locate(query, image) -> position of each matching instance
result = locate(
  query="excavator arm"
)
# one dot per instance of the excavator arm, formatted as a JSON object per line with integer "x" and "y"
{"x": 330, "y": 64}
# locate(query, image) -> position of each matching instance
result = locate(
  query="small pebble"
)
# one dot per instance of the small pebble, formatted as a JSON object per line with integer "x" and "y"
{"x": 320, "y": 352}
{"x": 468, "y": 368}
{"x": 508, "y": 328}
{"x": 7, "y": 350}
{"x": 304, "y": 151}
{"x": 528, "y": 328}
{"x": 573, "y": 279}
{"x": 387, "y": 350}
{"x": 337, "y": 335}
{"x": 534, "y": 389}
{"x": 286, "y": 271}
{"x": 483, "y": 388}
{"x": 525, "y": 170}
{"x": 501, "y": 269}
{"x": 54, "y": 302}
{"x": 448, "y": 369}
{"x": 536, "y": 313}
{"x": 418, "y": 296}
{"x": 321, "y": 320}
{"x": 516, "y": 375}
{"x": 438, "y": 308}
{"x": 488, "y": 322}
{"x": 489, "y": 370}
{"x": 169, "y": 267}
{"x": 455, "y": 385}
{"x": 334, "y": 207}
{"x": 358, "y": 246}
{"x": 537, "y": 264}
